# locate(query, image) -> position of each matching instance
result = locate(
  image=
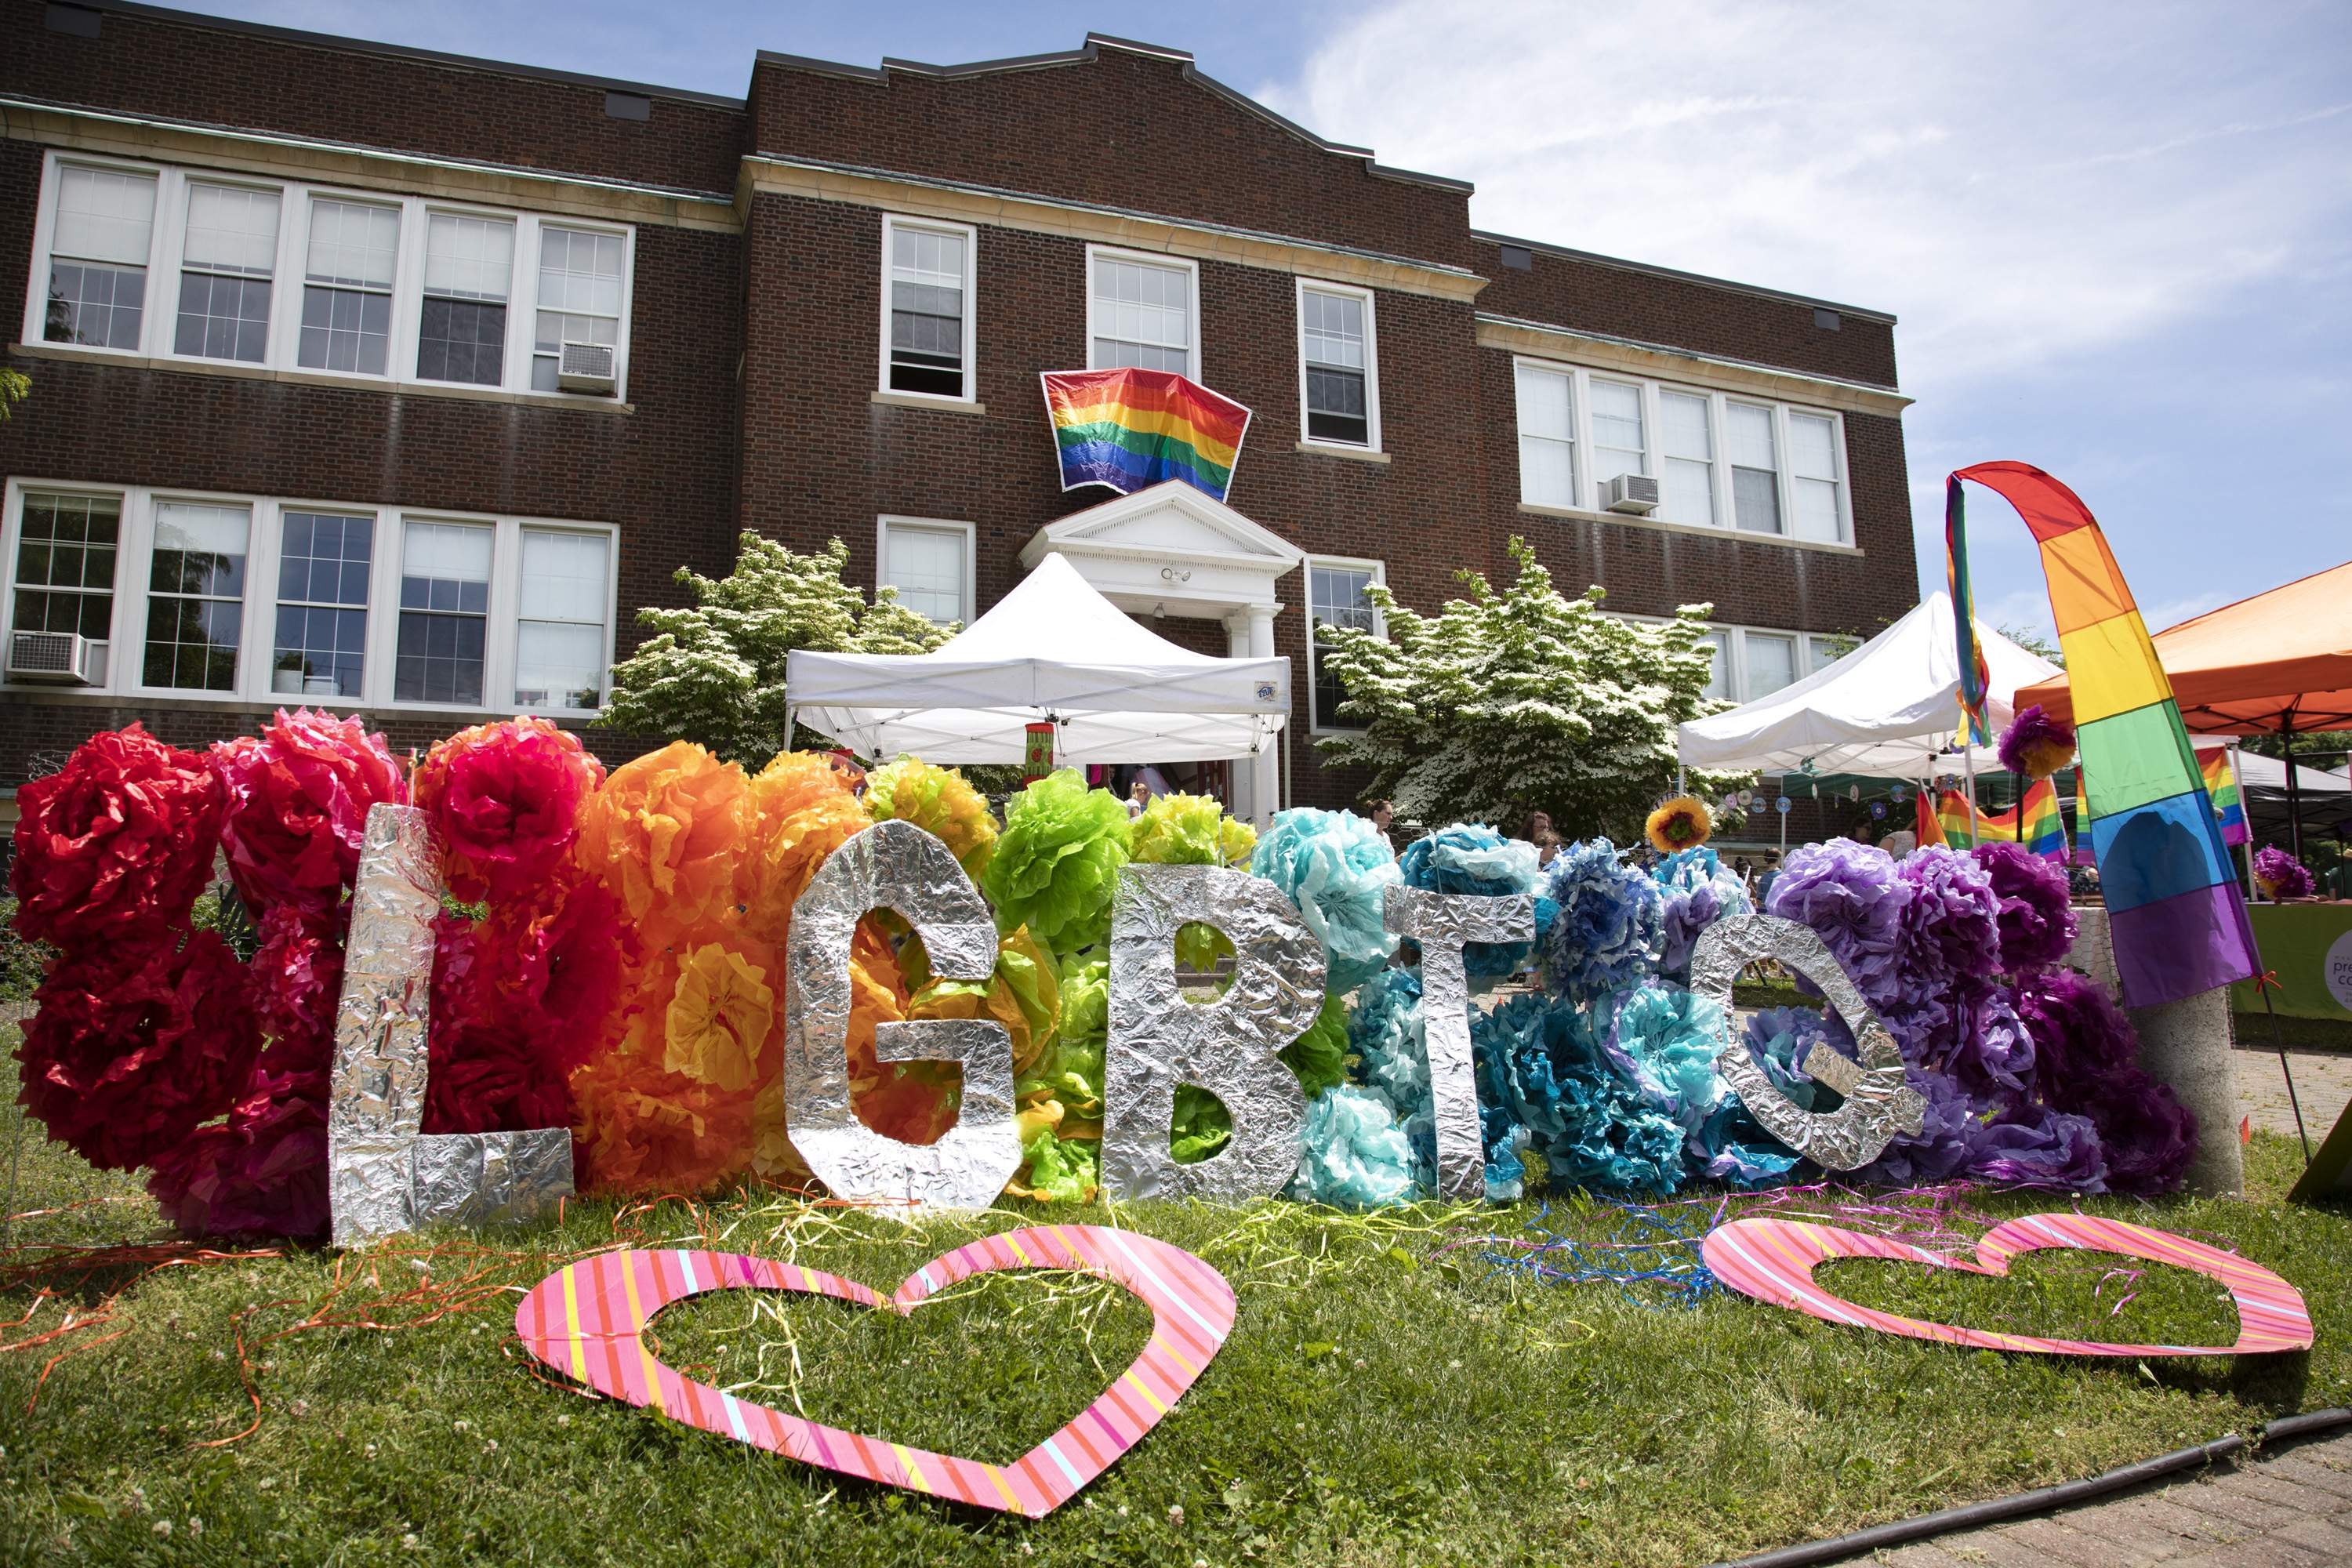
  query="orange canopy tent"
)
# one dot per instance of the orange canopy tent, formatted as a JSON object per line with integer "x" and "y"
{"x": 2278, "y": 662}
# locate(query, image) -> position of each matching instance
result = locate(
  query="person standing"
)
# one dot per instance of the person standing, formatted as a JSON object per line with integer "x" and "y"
{"x": 1538, "y": 831}
{"x": 1139, "y": 796}
{"x": 1764, "y": 883}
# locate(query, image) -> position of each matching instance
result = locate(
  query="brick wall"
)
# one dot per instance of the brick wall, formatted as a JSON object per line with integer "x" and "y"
{"x": 1120, "y": 129}
{"x": 203, "y": 70}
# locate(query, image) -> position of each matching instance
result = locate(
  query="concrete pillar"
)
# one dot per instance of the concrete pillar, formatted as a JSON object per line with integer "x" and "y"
{"x": 1244, "y": 804}
{"x": 1265, "y": 768}
{"x": 2187, "y": 1045}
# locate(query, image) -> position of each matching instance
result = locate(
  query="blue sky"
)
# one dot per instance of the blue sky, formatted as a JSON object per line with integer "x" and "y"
{"x": 2119, "y": 236}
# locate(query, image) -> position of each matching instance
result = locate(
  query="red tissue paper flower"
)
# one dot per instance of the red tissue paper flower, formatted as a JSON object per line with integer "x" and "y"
{"x": 297, "y": 982}
{"x": 264, "y": 1171}
{"x": 133, "y": 1050}
{"x": 506, "y": 798}
{"x": 118, "y": 843}
{"x": 299, "y": 795}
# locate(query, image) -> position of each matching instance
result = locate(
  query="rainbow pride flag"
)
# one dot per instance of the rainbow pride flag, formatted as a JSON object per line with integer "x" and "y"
{"x": 2221, "y": 786}
{"x": 1131, "y": 429}
{"x": 2174, "y": 910}
{"x": 2033, "y": 821}
{"x": 1976, "y": 680}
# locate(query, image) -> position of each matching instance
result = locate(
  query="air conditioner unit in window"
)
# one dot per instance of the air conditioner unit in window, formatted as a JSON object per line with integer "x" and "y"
{"x": 1635, "y": 494}
{"x": 585, "y": 367}
{"x": 59, "y": 659}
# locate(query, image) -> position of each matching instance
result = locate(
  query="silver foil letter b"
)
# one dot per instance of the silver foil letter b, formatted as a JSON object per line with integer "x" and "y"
{"x": 1443, "y": 923}
{"x": 1158, "y": 1039}
{"x": 894, "y": 865}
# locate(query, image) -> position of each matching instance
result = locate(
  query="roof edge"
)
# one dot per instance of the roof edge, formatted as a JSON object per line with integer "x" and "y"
{"x": 1758, "y": 291}
{"x": 404, "y": 51}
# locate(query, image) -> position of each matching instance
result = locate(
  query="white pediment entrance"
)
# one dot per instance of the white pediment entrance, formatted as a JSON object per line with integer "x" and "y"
{"x": 1174, "y": 550}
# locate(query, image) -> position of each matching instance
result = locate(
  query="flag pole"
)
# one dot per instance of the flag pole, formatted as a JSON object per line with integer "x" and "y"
{"x": 2245, "y": 810}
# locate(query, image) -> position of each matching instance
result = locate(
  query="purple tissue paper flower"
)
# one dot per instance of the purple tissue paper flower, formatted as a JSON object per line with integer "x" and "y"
{"x": 1951, "y": 926}
{"x": 2036, "y": 923}
{"x": 1850, "y": 894}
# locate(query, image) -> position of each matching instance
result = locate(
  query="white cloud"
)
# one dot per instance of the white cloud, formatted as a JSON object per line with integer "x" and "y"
{"x": 2017, "y": 181}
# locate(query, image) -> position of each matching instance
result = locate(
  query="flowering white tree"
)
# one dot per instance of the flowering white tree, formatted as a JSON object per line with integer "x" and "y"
{"x": 1503, "y": 703}
{"x": 714, "y": 672}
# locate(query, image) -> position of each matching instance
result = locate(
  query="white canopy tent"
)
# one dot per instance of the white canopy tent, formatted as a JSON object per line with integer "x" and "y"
{"x": 1890, "y": 708}
{"x": 1052, "y": 648}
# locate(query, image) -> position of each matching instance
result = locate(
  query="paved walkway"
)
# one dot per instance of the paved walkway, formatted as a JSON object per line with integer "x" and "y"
{"x": 2293, "y": 1510}
{"x": 2323, "y": 1081}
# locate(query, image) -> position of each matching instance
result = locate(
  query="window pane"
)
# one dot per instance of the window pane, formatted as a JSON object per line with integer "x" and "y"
{"x": 558, "y": 665}
{"x": 1617, "y": 439}
{"x": 1687, "y": 488}
{"x": 579, "y": 297}
{"x": 1755, "y": 500}
{"x": 96, "y": 305}
{"x": 232, "y": 230}
{"x": 462, "y": 340}
{"x": 1337, "y": 596}
{"x": 104, "y": 215}
{"x": 222, "y": 318}
{"x": 65, "y": 564}
{"x": 1333, "y": 328}
{"x": 195, "y": 611}
{"x": 352, "y": 244}
{"x": 926, "y": 565}
{"x": 1772, "y": 663}
{"x": 1142, "y": 316}
{"x": 1544, "y": 404}
{"x": 1823, "y": 651}
{"x": 445, "y": 576}
{"x": 1812, "y": 463}
{"x": 468, "y": 257}
{"x": 345, "y": 329}
{"x": 564, "y": 576}
{"x": 1750, "y": 436}
{"x": 1816, "y": 506}
{"x": 1336, "y": 409}
{"x": 1719, "y": 680}
{"x": 1547, "y": 453}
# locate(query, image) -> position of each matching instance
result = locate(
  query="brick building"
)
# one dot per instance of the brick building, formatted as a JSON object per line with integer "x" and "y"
{"x": 303, "y": 427}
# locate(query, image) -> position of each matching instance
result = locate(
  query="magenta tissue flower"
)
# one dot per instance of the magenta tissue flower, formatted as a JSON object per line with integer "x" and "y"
{"x": 2036, "y": 923}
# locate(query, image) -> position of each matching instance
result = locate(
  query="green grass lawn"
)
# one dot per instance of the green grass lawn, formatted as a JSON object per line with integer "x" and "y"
{"x": 1385, "y": 1396}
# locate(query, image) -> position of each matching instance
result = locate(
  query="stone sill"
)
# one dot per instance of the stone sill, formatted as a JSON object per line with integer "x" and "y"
{"x": 1696, "y": 529}
{"x": 917, "y": 400}
{"x": 39, "y": 695}
{"x": 569, "y": 402}
{"x": 1353, "y": 453}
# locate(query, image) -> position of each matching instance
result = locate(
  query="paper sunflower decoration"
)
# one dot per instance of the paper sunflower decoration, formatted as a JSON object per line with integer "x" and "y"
{"x": 2035, "y": 745}
{"x": 1683, "y": 823}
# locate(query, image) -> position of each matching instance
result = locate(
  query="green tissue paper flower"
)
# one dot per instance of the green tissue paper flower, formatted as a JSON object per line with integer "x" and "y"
{"x": 1060, "y": 1171}
{"x": 1193, "y": 830}
{"x": 938, "y": 800}
{"x": 1202, "y": 1126}
{"x": 1319, "y": 1057}
{"x": 1058, "y": 861}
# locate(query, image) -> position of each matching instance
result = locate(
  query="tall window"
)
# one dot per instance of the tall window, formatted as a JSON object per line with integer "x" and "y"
{"x": 1687, "y": 490}
{"x": 1813, "y": 477}
{"x": 1771, "y": 662}
{"x": 1140, "y": 315}
{"x": 559, "y": 641}
{"x": 196, "y": 595}
{"x": 1619, "y": 443}
{"x": 347, "y": 287}
{"x": 445, "y": 607}
{"x": 324, "y": 563}
{"x": 468, "y": 267}
{"x": 1718, "y": 678}
{"x": 931, "y": 566}
{"x": 927, "y": 308}
{"x": 1335, "y": 334}
{"x": 97, "y": 258}
{"x": 230, "y": 252}
{"x": 579, "y": 297}
{"x": 1337, "y": 596}
{"x": 65, "y": 564}
{"x": 1546, "y": 437}
{"x": 1755, "y": 468}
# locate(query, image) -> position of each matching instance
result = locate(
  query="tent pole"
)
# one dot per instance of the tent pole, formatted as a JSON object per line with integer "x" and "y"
{"x": 2294, "y": 802}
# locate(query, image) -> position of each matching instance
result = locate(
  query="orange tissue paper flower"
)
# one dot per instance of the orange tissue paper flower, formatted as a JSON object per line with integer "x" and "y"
{"x": 1681, "y": 822}
{"x": 665, "y": 835}
{"x": 800, "y": 822}
{"x": 643, "y": 1129}
{"x": 719, "y": 1016}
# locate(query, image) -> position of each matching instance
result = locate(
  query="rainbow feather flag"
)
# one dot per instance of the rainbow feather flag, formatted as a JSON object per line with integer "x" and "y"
{"x": 2221, "y": 786}
{"x": 2173, "y": 906}
{"x": 1131, "y": 429}
{"x": 1976, "y": 680}
{"x": 2033, "y": 821}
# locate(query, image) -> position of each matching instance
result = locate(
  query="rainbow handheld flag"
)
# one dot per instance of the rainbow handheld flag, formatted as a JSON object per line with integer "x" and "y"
{"x": 2173, "y": 906}
{"x": 1976, "y": 680}
{"x": 1131, "y": 429}
{"x": 2221, "y": 784}
{"x": 2033, "y": 821}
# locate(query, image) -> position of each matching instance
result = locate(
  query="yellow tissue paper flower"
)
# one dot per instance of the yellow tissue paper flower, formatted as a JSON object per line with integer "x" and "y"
{"x": 941, "y": 802}
{"x": 719, "y": 1018}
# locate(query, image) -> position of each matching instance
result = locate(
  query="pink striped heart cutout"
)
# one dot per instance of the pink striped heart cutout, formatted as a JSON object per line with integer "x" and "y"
{"x": 1773, "y": 1261}
{"x": 588, "y": 1318}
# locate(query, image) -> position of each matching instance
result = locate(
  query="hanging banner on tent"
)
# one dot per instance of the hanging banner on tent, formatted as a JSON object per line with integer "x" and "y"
{"x": 2178, "y": 918}
{"x": 1132, "y": 429}
{"x": 1037, "y": 758}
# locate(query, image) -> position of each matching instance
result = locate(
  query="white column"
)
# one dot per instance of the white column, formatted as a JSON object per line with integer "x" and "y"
{"x": 1244, "y": 775}
{"x": 1265, "y": 768}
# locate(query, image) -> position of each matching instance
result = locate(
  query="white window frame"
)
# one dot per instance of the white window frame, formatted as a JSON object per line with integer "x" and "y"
{"x": 127, "y": 625}
{"x": 159, "y": 321}
{"x": 1186, "y": 265}
{"x": 1379, "y": 571}
{"x": 891, "y": 224}
{"x": 1371, "y": 442}
{"x": 1587, "y": 487}
{"x": 884, "y": 523}
{"x": 1809, "y": 660}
